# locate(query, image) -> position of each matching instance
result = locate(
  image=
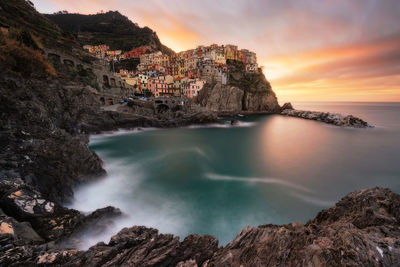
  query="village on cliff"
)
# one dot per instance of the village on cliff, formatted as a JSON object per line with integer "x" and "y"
{"x": 180, "y": 75}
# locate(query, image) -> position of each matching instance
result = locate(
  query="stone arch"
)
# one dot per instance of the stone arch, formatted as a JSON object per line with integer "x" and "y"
{"x": 110, "y": 101}
{"x": 105, "y": 80}
{"x": 162, "y": 108}
{"x": 113, "y": 82}
{"x": 102, "y": 100}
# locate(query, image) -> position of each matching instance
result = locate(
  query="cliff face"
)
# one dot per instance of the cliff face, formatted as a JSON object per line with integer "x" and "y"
{"x": 227, "y": 99}
{"x": 245, "y": 92}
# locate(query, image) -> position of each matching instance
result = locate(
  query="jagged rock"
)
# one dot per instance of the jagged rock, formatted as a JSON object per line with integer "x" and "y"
{"x": 49, "y": 219}
{"x": 330, "y": 118}
{"x": 21, "y": 232}
{"x": 141, "y": 246}
{"x": 93, "y": 224}
{"x": 360, "y": 230}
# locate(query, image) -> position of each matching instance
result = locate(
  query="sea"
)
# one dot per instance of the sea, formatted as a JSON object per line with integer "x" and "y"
{"x": 216, "y": 179}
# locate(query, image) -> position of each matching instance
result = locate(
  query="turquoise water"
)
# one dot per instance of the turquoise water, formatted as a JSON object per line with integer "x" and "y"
{"x": 217, "y": 179}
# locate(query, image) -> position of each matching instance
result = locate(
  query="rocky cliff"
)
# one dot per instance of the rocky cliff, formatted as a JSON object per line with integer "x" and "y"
{"x": 245, "y": 92}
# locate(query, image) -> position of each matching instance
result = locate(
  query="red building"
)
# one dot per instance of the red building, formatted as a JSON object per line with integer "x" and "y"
{"x": 137, "y": 52}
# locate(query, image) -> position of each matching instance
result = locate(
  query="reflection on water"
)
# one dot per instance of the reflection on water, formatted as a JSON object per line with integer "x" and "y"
{"x": 218, "y": 179}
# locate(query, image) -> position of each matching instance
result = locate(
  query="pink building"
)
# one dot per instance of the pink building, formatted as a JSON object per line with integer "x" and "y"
{"x": 192, "y": 88}
{"x": 158, "y": 87}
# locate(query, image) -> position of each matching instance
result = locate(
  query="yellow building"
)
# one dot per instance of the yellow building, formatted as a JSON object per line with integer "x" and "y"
{"x": 163, "y": 60}
{"x": 230, "y": 54}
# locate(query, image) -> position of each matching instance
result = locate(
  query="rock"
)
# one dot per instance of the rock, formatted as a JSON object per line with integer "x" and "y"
{"x": 231, "y": 100}
{"x": 234, "y": 122}
{"x": 21, "y": 232}
{"x": 93, "y": 224}
{"x": 330, "y": 118}
{"x": 50, "y": 220}
{"x": 141, "y": 246}
{"x": 360, "y": 230}
{"x": 287, "y": 105}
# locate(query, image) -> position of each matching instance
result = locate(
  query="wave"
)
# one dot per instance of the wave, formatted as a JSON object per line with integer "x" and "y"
{"x": 306, "y": 198}
{"x": 314, "y": 200}
{"x": 224, "y": 125}
{"x": 99, "y": 138}
{"x": 265, "y": 180}
{"x": 193, "y": 150}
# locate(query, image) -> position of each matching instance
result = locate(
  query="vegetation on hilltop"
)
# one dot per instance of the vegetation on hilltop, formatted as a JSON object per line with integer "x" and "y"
{"x": 21, "y": 54}
{"x": 21, "y": 14}
{"x": 111, "y": 28}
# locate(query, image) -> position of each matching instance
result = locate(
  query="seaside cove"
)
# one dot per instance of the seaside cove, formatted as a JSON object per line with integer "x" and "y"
{"x": 216, "y": 179}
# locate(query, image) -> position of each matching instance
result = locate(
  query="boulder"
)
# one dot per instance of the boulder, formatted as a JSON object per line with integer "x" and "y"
{"x": 287, "y": 105}
{"x": 234, "y": 122}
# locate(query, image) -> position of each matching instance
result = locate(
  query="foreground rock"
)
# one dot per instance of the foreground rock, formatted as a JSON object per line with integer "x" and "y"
{"x": 362, "y": 229}
{"x": 330, "y": 118}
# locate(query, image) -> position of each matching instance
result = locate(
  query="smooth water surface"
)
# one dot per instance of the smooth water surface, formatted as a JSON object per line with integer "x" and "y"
{"x": 217, "y": 179}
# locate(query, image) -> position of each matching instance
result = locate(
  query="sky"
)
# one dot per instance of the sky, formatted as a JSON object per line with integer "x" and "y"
{"x": 310, "y": 50}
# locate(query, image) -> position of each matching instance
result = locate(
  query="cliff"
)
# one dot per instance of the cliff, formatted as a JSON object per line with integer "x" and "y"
{"x": 245, "y": 92}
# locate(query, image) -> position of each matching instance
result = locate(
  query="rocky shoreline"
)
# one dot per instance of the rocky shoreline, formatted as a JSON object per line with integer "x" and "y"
{"x": 361, "y": 229}
{"x": 326, "y": 117}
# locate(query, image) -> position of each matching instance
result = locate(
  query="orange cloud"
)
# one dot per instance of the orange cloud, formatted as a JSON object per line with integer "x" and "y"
{"x": 170, "y": 30}
{"x": 363, "y": 72}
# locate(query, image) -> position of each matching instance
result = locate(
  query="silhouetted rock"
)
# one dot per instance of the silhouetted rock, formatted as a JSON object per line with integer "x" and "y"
{"x": 287, "y": 105}
{"x": 361, "y": 229}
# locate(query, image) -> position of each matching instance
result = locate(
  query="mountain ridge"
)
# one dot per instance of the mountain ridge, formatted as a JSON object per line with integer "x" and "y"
{"x": 111, "y": 28}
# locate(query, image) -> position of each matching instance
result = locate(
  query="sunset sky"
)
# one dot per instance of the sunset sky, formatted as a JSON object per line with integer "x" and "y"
{"x": 311, "y": 50}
